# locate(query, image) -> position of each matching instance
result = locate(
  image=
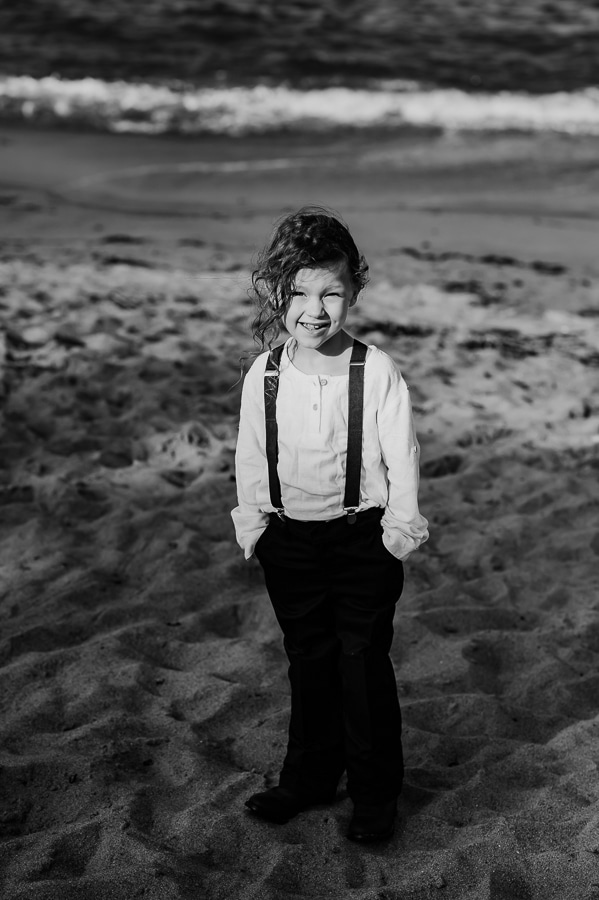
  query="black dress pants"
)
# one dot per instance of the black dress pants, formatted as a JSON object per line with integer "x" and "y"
{"x": 333, "y": 587}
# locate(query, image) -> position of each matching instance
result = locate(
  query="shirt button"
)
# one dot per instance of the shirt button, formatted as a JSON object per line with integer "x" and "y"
{"x": 323, "y": 381}
{"x": 315, "y": 406}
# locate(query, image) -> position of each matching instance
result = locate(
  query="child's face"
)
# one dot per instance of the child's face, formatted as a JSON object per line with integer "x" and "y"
{"x": 319, "y": 305}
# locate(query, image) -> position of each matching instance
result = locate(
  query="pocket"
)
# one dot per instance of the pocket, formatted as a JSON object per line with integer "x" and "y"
{"x": 260, "y": 540}
{"x": 385, "y": 548}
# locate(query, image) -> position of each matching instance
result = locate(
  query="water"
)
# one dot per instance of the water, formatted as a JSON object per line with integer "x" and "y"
{"x": 243, "y": 66}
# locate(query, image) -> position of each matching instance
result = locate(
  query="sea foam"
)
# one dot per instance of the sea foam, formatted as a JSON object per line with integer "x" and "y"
{"x": 153, "y": 109}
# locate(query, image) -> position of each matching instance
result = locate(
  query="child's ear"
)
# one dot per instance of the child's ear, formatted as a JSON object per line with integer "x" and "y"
{"x": 354, "y": 299}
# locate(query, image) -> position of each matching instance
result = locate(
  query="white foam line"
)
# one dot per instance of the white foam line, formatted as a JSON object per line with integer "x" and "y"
{"x": 145, "y": 108}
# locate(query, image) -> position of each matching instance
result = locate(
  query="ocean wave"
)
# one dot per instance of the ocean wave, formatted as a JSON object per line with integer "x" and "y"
{"x": 156, "y": 109}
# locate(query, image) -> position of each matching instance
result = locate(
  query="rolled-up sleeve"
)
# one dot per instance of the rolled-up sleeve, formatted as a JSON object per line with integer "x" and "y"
{"x": 250, "y": 462}
{"x": 404, "y": 528}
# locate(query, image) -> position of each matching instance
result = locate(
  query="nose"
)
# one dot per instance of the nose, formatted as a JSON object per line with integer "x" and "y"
{"x": 314, "y": 306}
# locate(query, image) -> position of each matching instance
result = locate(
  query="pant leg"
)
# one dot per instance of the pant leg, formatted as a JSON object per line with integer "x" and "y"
{"x": 298, "y": 586}
{"x": 366, "y": 582}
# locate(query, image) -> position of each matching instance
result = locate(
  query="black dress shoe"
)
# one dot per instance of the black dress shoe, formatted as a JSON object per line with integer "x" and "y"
{"x": 280, "y": 804}
{"x": 372, "y": 822}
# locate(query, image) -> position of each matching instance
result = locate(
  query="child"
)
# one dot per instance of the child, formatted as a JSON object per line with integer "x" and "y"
{"x": 327, "y": 479}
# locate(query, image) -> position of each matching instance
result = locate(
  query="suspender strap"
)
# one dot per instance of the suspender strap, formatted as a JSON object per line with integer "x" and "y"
{"x": 271, "y": 387}
{"x": 355, "y": 409}
{"x": 355, "y": 405}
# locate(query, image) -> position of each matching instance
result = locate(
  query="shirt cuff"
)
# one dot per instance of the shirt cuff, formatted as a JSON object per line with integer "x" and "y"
{"x": 249, "y": 547}
{"x": 248, "y": 528}
{"x": 402, "y": 545}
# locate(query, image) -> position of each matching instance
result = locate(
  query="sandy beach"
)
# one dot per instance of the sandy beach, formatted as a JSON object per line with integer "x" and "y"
{"x": 143, "y": 689}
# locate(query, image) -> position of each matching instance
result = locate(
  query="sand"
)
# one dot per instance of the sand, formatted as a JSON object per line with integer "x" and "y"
{"x": 143, "y": 686}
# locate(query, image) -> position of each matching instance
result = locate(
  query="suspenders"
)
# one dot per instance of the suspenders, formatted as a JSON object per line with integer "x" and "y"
{"x": 355, "y": 404}
{"x": 271, "y": 387}
{"x": 351, "y": 500}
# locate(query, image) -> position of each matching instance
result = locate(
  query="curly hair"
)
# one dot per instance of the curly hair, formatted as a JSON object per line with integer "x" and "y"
{"x": 309, "y": 238}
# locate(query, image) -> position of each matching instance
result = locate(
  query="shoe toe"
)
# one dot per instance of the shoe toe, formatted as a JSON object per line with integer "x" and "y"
{"x": 275, "y": 805}
{"x": 279, "y": 804}
{"x": 371, "y": 823}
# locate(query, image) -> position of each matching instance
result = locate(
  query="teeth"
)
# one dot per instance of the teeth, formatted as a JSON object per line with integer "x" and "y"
{"x": 309, "y": 326}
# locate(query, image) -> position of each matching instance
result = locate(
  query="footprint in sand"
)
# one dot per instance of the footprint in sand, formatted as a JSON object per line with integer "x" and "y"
{"x": 187, "y": 453}
{"x": 484, "y": 656}
{"x": 464, "y": 620}
{"x": 508, "y": 884}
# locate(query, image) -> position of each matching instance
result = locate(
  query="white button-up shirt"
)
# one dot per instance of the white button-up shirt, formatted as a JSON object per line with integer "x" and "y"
{"x": 312, "y": 412}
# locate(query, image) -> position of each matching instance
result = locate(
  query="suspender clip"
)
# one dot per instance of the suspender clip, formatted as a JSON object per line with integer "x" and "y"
{"x": 350, "y": 512}
{"x": 281, "y": 514}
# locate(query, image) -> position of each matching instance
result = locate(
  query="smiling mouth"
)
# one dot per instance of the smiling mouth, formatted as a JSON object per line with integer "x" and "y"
{"x": 313, "y": 327}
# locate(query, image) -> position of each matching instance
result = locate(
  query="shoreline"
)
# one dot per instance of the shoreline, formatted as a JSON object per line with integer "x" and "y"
{"x": 508, "y": 194}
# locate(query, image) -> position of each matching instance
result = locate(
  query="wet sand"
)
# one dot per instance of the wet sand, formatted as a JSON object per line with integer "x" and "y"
{"x": 142, "y": 679}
